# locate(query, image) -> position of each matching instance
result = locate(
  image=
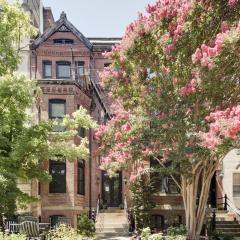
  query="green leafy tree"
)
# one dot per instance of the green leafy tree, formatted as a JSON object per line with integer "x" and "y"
{"x": 24, "y": 143}
{"x": 143, "y": 203}
{"x": 86, "y": 226}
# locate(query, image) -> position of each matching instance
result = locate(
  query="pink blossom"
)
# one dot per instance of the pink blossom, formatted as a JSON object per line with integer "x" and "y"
{"x": 232, "y": 3}
{"x": 196, "y": 57}
{"x": 133, "y": 177}
{"x": 118, "y": 135}
{"x": 190, "y": 88}
{"x": 126, "y": 127}
{"x": 224, "y": 27}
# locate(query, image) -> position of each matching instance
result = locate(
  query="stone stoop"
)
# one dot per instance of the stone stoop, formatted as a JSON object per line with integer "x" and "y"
{"x": 226, "y": 224}
{"x": 111, "y": 223}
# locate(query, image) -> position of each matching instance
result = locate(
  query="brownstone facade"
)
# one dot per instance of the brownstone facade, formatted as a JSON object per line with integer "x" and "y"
{"x": 62, "y": 43}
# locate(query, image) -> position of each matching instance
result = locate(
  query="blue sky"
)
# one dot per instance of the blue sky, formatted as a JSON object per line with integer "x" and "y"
{"x": 99, "y": 18}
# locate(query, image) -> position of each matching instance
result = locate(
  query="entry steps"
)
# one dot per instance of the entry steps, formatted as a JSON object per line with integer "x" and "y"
{"x": 111, "y": 223}
{"x": 227, "y": 225}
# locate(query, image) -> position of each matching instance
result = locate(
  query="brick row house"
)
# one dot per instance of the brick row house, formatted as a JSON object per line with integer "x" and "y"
{"x": 66, "y": 66}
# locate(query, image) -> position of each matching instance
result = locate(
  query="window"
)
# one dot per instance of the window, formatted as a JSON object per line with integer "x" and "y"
{"x": 57, "y": 110}
{"x": 54, "y": 220}
{"x": 156, "y": 177}
{"x": 64, "y": 70}
{"x": 63, "y": 41}
{"x": 80, "y": 69}
{"x": 82, "y": 132}
{"x": 57, "y": 170}
{"x": 81, "y": 178}
{"x": 236, "y": 184}
{"x": 161, "y": 183}
{"x": 39, "y": 188}
{"x": 158, "y": 222}
{"x": 47, "y": 69}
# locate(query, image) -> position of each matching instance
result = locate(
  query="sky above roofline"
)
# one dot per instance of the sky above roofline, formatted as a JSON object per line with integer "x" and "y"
{"x": 98, "y": 18}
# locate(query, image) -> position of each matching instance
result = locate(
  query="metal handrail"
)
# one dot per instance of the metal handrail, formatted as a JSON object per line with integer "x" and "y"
{"x": 98, "y": 206}
{"x": 125, "y": 203}
{"x": 99, "y": 218}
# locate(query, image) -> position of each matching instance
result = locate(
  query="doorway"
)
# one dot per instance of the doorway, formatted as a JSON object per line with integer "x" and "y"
{"x": 112, "y": 189}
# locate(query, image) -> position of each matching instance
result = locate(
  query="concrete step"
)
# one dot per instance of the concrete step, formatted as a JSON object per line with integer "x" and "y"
{"x": 109, "y": 225}
{"x": 227, "y": 226}
{"x": 112, "y": 236}
{"x": 112, "y": 210}
{"x": 236, "y": 230}
{"x": 112, "y": 230}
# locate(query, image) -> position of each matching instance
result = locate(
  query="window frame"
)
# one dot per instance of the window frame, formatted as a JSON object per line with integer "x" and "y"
{"x": 63, "y": 63}
{"x": 234, "y": 185}
{"x": 82, "y": 64}
{"x": 44, "y": 63}
{"x": 52, "y": 188}
{"x": 56, "y": 101}
{"x": 81, "y": 180}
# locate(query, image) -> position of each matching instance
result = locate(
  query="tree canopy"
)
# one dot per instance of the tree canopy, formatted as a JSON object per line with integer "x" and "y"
{"x": 26, "y": 143}
{"x": 175, "y": 77}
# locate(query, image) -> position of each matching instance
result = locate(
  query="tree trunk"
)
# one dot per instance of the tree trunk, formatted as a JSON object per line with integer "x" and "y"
{"x": 195, "y": 205}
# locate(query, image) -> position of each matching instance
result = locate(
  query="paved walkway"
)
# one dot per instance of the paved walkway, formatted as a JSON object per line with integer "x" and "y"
{"x": 114, "y": 238}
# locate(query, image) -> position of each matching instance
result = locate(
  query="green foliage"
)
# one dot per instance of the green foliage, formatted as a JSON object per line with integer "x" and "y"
{"x": 12, "y": 237}
{"x": 142, "y": 201}
{"x": 146, "y": 235}
{"x": 174, "y": 231}
{"x": 24, "y": 143}
{"x": 64, "y": 232}
{"x": 14, "y": 28}
{"x": 86, "y": 226}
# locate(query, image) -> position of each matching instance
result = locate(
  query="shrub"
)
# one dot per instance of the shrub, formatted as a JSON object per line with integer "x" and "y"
{"x": 12, "y": 237}
{"x": 64, "y": 232}
{"x": 175, "y": 231}
{"x": 86, "y": 226}
{"x": 146, "y": 235}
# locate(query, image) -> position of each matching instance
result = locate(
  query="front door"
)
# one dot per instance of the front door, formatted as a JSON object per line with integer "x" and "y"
{"x": 112, "y": 189}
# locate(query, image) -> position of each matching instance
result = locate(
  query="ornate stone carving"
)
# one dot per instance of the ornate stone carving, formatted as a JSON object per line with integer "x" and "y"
{"x": 63, "y": 28}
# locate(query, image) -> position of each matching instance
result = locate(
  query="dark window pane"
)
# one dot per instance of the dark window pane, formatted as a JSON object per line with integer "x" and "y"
{"x": 158, "y": 222}
{"x": 107, "y": 64}
{"x": 81, "y": 178}
{"x": 82, "y": 132}
{"x": 64, "y": 70}
{"x": 57, "y": 170}
{"x": 47, "y": 70}
{"x": 63, "y": 41}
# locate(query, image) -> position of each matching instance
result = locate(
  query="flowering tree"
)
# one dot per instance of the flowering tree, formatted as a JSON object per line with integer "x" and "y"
{"x": 175, "y": 76}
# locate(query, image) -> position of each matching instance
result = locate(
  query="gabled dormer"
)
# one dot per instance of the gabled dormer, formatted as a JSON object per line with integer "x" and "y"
{"x": 61, "y": 26}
